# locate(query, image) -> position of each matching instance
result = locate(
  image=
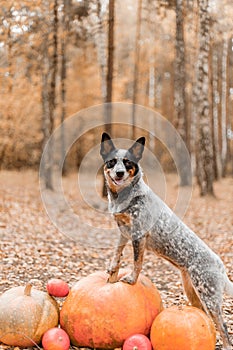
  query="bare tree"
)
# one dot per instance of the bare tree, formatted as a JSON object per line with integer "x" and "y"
{"x": 179, "y": 91}
{"x": 136, "y": 66}
{"x": 224, "y": 103}
{"x": 100, "y": 41}
{"x": 109, "y": 76}
{"x": 45, "y": 67}
{"x": 180, "y": 73}
{"x": 49, "y": 75}
{"x": 63, "y": 74}
{"x": 204, "y": 146}
{"x": 6, "y": 30}
{"x": 108, "y": 111}
{"x": 53, "y": 67}
{"x": 215, "y": 103}
{"x": 192, "y": 72}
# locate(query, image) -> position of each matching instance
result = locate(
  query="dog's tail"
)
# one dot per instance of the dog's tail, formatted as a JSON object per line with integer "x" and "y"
{"x": 228, "y": 286}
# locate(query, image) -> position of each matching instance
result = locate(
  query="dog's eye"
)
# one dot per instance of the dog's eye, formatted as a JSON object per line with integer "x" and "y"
{"x": 128, "y": 164}
{"x": 111, "y": 163}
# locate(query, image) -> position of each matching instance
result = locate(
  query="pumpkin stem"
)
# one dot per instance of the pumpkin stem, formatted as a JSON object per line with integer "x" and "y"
{"x": 113, "y": 278}
{"x": 27, "y": 290}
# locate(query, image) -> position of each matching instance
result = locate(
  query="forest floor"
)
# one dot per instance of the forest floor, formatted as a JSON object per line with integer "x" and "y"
{"x": 34, "y": 250}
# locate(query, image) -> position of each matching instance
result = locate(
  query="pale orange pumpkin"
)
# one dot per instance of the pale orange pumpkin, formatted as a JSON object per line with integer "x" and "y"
{"x": 25, "y": 315}
{"x": 183, "y": 329}
{"x": 99, "y": 314}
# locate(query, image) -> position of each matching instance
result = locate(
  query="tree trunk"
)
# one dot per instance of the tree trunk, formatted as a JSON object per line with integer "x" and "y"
{"x": 63, "y": 102}
{"x": 53, "y": 68}
{"x": 136, "y": 67}
{"x": 100, "y": 42}
{"x": 63, "y": 73}
{"x": 216, "y": 99}
{"x": 46, "y": 172}
{"x": 224, "y": 103}
{"x": 151, "y": 122}
{"x": 108, "y": 116}
{"x": 109, "y": 78}
{"x": 205, "y": 165}
{"x": 10, "y": 58}
{"x": 193, "y": 25}
{"x": 180, "y": 74}
{"x": 179, "y": 93}
{"x": 49, "y": 76}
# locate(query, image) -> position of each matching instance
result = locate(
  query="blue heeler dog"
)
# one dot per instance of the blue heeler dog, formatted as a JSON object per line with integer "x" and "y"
{"x": 147, "y": 221}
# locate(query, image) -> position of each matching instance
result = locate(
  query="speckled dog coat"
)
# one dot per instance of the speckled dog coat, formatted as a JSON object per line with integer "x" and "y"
{"x": 150, "y": 224}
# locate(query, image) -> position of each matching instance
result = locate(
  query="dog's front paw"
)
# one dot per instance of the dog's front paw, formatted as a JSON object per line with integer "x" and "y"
{"x": 113, "y": 274}
{"x": 130, "y": 279}
{"x": 112, "y": 270}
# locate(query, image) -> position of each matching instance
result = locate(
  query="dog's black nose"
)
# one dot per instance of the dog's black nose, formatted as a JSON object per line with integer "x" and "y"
{"x": 120, "y": 173}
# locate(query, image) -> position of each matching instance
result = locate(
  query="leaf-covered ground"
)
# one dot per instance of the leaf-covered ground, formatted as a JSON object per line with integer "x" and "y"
{"x": 34, "y": 250}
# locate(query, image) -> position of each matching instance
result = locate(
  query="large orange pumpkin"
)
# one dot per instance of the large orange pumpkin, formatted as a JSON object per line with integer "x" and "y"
{"x": 25, "y": 315}
{"x": 99, "y": 314}
{"x": 186, "y": 328}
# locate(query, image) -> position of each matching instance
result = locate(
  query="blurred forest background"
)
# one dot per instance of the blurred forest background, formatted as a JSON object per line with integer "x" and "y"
{"x": 58, "y": 57}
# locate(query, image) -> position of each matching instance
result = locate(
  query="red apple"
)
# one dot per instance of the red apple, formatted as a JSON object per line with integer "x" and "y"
{"x": 137, "y": 342}
{"x": 55, "y": 339}
{"x": 57, "y": 287}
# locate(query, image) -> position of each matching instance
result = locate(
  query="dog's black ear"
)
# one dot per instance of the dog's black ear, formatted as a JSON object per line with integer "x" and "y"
{"x": 107, "y": 145}
{"x": 137, "y": 149}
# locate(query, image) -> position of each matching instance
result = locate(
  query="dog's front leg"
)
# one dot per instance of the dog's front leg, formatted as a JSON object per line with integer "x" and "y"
{"x": 115, "y": 263}
{"x": 138, "y": 250}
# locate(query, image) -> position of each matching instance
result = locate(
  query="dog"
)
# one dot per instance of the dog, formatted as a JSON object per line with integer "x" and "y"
{"x": 149, "y": 223}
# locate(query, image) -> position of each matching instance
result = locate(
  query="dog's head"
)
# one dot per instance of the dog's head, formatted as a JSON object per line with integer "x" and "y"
{"x": 120, "y": 165}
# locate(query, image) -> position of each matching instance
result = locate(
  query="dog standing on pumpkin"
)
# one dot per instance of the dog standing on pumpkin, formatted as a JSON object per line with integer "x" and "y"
{"x": 150, "y": 224}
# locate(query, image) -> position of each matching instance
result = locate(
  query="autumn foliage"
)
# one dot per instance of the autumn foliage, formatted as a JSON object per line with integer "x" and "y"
{"x": 54, "y": 63}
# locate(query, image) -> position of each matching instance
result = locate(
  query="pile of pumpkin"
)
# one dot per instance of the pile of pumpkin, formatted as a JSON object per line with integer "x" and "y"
{"x": 100, "y": 314}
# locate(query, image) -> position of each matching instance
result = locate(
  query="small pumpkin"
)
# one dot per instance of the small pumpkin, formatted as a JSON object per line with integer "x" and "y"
{"x": 100, "y": 314}
{"x": 183, "y": 329}
{"x": 137, "y": 342}
{"x": 57, "y": 287}
{"x": 25, "y": 315}
{"x": 56, "y": 339}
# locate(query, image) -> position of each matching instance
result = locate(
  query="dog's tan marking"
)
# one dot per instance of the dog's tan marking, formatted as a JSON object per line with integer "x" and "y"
{"x": 122, "y": 219}
{"x": 132, "y": 172}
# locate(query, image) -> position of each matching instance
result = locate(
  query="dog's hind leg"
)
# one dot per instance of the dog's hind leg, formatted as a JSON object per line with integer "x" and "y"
{"x": 205, "y": 291}
{"x": 211, "y": 298}
{"x": 212, "y": 304}
{"x": 221, "y": 327}
{"x": 190, "y": 291}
